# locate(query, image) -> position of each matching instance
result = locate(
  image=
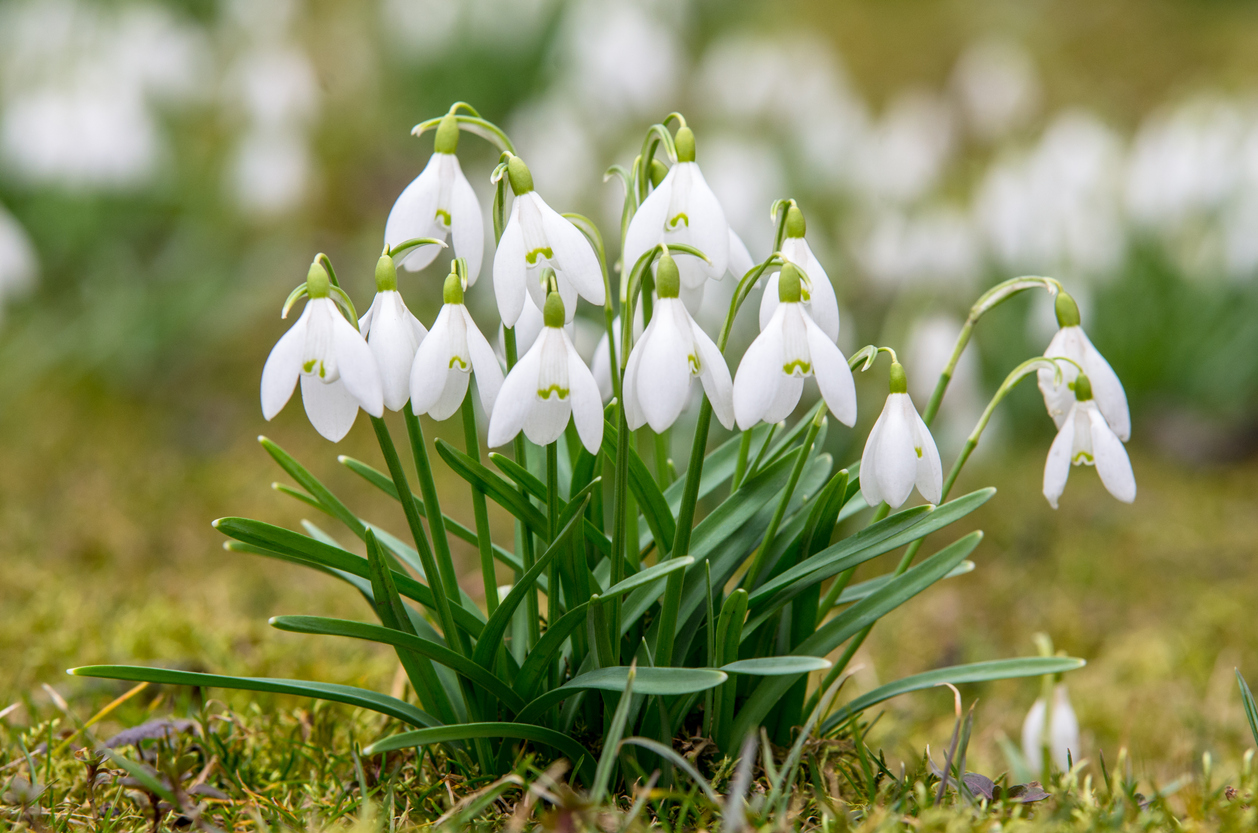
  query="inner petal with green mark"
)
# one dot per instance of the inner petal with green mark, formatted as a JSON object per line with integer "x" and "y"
{"x": 543, "y": 251}
{"x": 919, "y": 452}
{"x": 696, "y": 367}
{"x": 1083, "y": 457}
{"x": 679, "y": 218}
{"x": 799, "y": 367}
{"x": 553, "y": 389}
{"x": 443, "y": 216}
{"x": 460, "y": 361}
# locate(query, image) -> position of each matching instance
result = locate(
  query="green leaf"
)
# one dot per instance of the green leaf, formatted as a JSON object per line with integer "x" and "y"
{"x": 360, "y": 697}
{"x": 470, "y": 731}
{"x": 537, "y": 663}
{"x": 677, "y": 761}
{"x": 331, "y": 503}
{"x": 777, "y": 666}
{"x": 856, "y": 592}
{"x": 435, "y": 651}
{"x": 611, "y": 743}
{"x": 522, "y": 476}
{"x": 667, "y": 682}
{"x": 500, "y": 491}
{"x": 646, "y": 491}
{"x": 975, "y": 672}
{"x": 1251, "y": 710}
{"x": 647, "y": 576}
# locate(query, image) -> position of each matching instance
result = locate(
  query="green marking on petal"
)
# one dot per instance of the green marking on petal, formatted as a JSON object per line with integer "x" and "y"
{"x": 545, "y": 394}
{"x": 696, "y": 367}
{"x": 323, "y": 371}
{"x": 443, "y": 216}
{"x": 919, "y": 452}
{"x": 459, "y": 361}
{"x": 802, "y": 366}
{"x": 680, "y": 218}
{"x": 544, "y": 251}
{"x": 308, "y": 366}
{"x": 1083, "y": 457}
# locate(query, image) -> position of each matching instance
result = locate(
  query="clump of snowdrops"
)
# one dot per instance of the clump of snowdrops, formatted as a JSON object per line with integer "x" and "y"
{"x": 627, "y": 619}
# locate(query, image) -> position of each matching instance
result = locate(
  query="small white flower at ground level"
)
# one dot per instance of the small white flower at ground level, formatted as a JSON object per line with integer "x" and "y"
{"x": 900, "y": 452}
{"x": 548, "y": 385}
{"x": 791, "y": 347}
{"x": 337, "y": 369}
{"x": 1072, "y": 343}
{"x": 1062, "y": 736}
{"x": 393, "y": 334}
{"x": 537, "y": 236}
{"x": 683, "y": 209}
{"x": 446, "y": 359}
{"x": 1086, "y": 439}
{"x": 670, "y": 354}
{"x": 439, "y": 202}
{"x": 817, "y": 292}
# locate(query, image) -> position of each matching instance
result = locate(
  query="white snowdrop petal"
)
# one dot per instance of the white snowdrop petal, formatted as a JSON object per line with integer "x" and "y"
{"x": 823, "y": 306}
{"x": 358, "y": 369}
{"x": 894, "y": 459}
{"x": 431, "y": 362}
{"x": 547, "y": 419}
{"x": 834, "y": 377}
{"x": 740, "y": 261}
{"x": 587, "y": 405}
{"x": 364, "y": 321}
{"x": 1112, "y": 463}
{"x": 484, "y": 363}
{"x": 1057, "y": 469}
{"x": 518, "y": 393}
{"x": 1033, "y": 735}
{"x": 1063, "y": 729}
{"x": 662, "y": 392}
{"x": 283, "y": 366}
{"x": 714, "y": 374}
{"x": 629, "y": 386}
{"x": 929, "y": 467}
{"x": 646, "y": 229}
{"x": 1107, "y": 390}
{"x": 785, "y": 399}
{"x": 601, "y": 366}
{"x": 330, "y": 406}
{"x": 392, "y": 343}
{"x": 709, "y": 232}
{"x": 759, "y": 375}
{"x": 510, "y": 274}
{"x": 466, "y": 223}
{"x": 453, "y": 392}
{"x": 769, "y": 300}
{"x": 1060, "y": 398}
{"x": 869, "y": 463}
{"x": 573, "y": 256}
{"x": 413, "y": 215}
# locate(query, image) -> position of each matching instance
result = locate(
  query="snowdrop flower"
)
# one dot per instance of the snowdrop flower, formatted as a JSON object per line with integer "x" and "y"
{"x": 1073, "y": 344}
{"x": 900, "y": 451}
{"x": 438, "y": 202}
{"x": 670, "y": 354}
{"x": 1086, "y": 439}
{"x": 537, "y": 236}
{"x": 791, "y": 346}
{"x": 393, "y": 335}
{"x": 1063, "y": 731}
{"x": 453, "y": 350}
{"x": 337, "y": 369}
{"x": 682, "y": 209}
{"x": 817, "y": 293}
{"x": 546, "y": 386}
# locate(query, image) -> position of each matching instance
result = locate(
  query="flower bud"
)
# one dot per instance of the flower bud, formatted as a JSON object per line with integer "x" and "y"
{"x": 667, "y": 278}
{"x": 519, "y": 175}
{"x": 658, "y": 171}
{"x": 899, "y": 382}
{"x": 684, "y": 141}
{"x": 795, "y": 225}
{"x": 1082, "y": 388}
{"x": 318, "y": 285}
{"x": 452, "y": 292}
{"x": 789, "y": 285}
{"x": 553, "y": 315}
{"x": 1067, "y": 310}
{"x": 386, "y": 274}
{"x": 447, "y": 140}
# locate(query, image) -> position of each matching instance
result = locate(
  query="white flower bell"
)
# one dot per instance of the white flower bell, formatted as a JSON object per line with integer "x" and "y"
{"x": 393, "y": 335}
{"x": 337, "y": 369}
{"x": 670, "y": 354}
{"x": 1072, "y": 343}
{"x": 791, "y": 346}
{"x": 537, "y": 236}
{"x": 1062, "y": 735}
{"x": 548, "y": 385}
{"x": 683, "y": 209}
{"x": 900, "y": 452}
{"x": 445, "y": 361}
{"x": 439, "y": 202}
{"x": 817, "y": 293}
{"x": 1085, "y": 438}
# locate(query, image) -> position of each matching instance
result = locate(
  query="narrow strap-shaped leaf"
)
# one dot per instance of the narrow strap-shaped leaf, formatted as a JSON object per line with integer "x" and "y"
{"x": 582, "y": 760}
{"x": 717, "y": 468}
{"x": 835, "y": 632}
{"x": 975, "y": 672}
{"x": 311, "y": 484}
{"x": 490, "y": 639}
{"x": 388, "y": 636}
{"x": 667, "y": 682}
{"x": 611, "y": 746}
{"x": 522, "y": 476}
{"x": 360, "y": 584}
{"x": 651, "y": 574}
{"x": 360, "y": 697}
{"x": 501, "y": 491}
{"x": 646, "y": 491}
{"x": 778, "y": 666}
{"x": 862, "y": 590}
{"x": 678, "y": 761}
{"x": 538, "y": 661}
{"x": 1247, "y": 700}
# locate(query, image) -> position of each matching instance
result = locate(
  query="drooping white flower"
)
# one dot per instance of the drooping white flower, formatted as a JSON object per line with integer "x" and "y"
{"x": 1063, "y": 731}
{"x": 439, "y": 202}
{"x": 393, "y": 335}
{"x": 548, "y": 385}
{"x": 445, "y": 361}
{"x": 791, "y": 346}
{"x": 817, "y": 293}
{"x": 683, "y": 209}
{"x": 337, "y": 369}
{"x": 671, "y": 353}
{"x": 900, "y": 452}
{"x": 537, "y": 236}
{"x": 1072, "y": 343}
{"x": 1086, "y": 439}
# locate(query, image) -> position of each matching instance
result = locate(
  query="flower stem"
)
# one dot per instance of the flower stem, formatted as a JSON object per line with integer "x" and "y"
{"x": 740, "y": 467}
{"x": 484, "y": 541}
{"x": 523, "y": 534}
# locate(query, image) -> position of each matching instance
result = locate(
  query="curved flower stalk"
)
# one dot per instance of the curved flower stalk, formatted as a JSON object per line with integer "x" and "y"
{"x": 670, "y": 355}
{"x": 337, "y": 369}
{"x": 791, "y": 347}
{"x": 445, "y": 361}
{"x": 817, "y": 293}
{"x": 548, "y": 385}
{"x": 1071, "y": 342}
{"x": 537, "y": 236}
{"x": 683, "y": 209}
{"x": 1061, "y": 737}
{"x": 393, "y": 334}
{"x": 1086, "y": 439}
{"x": 439, "y": 202}
{"x": 900, "y": 452}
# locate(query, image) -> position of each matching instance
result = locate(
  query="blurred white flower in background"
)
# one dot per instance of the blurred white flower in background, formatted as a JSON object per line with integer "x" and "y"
{"x": 905, "y": 152}
{"x": 997, "y": 86}
{"x": 18, "y": 262}
{"x": 423, "y": 32}
{"x": 550, "y": 135}
{"x": 934, "y": 247}
{"x": 928, "y": 348}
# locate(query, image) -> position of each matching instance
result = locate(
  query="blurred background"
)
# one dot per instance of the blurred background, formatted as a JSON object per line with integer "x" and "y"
{"x": 168, "y": 169}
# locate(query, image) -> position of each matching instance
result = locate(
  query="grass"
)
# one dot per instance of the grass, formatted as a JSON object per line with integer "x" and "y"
{"x": 108, "y": 557}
